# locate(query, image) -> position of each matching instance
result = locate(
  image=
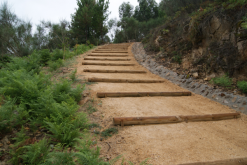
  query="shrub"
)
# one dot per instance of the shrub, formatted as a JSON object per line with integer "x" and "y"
{"x": 45, "y": 56}
{"x": 31, "y": 154}
{"x": 242, "y": 85}
{"x": 54, "y": 65}
{"x": 224, "y": 81}
{"x": 56, "y": 54}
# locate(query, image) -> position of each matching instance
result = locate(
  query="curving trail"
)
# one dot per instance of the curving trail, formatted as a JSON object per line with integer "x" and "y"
{"x": 223, "y": 141}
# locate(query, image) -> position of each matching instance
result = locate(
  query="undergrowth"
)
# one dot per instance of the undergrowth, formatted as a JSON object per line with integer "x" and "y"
{"x": 242, "y": 85}
{"x": 109, "y": 132}
{"x": 224, "y": 81}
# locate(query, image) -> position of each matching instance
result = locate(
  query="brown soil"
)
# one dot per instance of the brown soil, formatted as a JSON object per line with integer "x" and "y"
{"x": 164, "y": 144}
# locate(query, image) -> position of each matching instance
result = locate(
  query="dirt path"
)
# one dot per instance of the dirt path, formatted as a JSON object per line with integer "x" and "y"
{"x": 164, "y": 144}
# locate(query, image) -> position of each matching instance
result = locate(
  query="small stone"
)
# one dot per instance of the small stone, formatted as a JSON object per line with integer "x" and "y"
{"x": 234, "y": 99}
{"x": 235, "y": 106}
{"x": 244, "y": 103}
{"x": 239, "y": 101}
{"x": 52, "y": 146}
{"x": 241, "y": 108}
{"x": 195, "y": 75}
{"x": 222, "y": 95}
{"x": 168, "y": 74}
{"x": 214, "y": 96}
{"x": 1, "y": 144}
{"x": 225, "y": 101}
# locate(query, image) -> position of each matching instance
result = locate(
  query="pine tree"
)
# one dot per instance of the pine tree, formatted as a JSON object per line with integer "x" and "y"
{"x": 88, "y": 22}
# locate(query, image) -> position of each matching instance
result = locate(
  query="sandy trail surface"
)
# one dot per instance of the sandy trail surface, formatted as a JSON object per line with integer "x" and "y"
{"x": 163, "y": 144}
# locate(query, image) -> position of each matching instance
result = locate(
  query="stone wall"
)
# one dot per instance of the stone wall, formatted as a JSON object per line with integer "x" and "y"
{"x": 237, "y": 102}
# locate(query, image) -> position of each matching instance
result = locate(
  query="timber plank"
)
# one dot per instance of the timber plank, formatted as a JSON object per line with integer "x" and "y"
{"x": 123, "y": 80}
{"x": 113, "y": 71}
{"x": 108, "y": 59}
{"x": 106, "y": 64}
{"x": 172, "y": 119}
{"x": 141, "y": 94}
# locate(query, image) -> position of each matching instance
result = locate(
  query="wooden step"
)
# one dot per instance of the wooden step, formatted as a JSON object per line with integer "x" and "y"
{"x": 237, "y": 161}
{"x": 106, "y": 64}
{"x": 123, "y": 80}
{"x": 109, "y": 55}
{"x": 101, "y": 51}
{"x": 141, "y": 94}
{"x": 108, "y": 59}
{"x": 172, "y": 119}
{"x": 113, "y": 71}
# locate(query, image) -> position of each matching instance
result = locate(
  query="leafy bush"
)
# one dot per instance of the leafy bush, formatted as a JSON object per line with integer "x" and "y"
{"x": 224, "y": 81}
{"x": 56, "y": 54}
{"x": 54, "y": 65}
{"x": 45, "y": 56}
{"x": 242, "y": 85}
{"x": 7, "y": 115}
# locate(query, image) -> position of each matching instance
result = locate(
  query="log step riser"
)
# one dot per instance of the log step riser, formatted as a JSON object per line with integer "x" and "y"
{"x": 123, "y": 80}
{"x": 113, "y": 71}
{"x": 106, "y": 59}
{"x": 142, "y": 94}
{"x": 173, "y": 119}
{"x": 107, "y": 64}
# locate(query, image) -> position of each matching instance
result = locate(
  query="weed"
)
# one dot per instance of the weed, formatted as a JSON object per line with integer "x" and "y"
{"x": 177, "y": 58}
{"x": 91, "y": 109}
{"x": 73, "y": 75}
{"x": 109, "y": 132}
{"x": 224, "y": 81}
{"x": 93, "y": 125}
{"x": 242, "y": 85}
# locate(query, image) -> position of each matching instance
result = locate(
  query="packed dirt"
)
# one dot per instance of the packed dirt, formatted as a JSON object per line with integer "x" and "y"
{"x": 163, "y": 144}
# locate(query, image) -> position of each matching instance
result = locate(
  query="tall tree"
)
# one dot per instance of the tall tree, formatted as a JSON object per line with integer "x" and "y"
{"x": 126, "y": 10}
{"x": 89, "y": 20}
{"x": 15, "y": 34}
{"x": 146, "y": 10}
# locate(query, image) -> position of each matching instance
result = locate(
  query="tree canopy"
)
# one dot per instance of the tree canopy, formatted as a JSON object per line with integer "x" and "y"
{"x": 89, "y": 20}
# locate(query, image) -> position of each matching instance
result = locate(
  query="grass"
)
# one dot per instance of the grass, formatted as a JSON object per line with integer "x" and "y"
{"x": 109, "y": 132}
{"x": 91, "y": 109}
{"x": 242, "y": 85}
{"x": 223, "y": 81}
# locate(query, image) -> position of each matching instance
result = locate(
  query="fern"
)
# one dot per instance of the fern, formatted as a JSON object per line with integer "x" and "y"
{"x": 73, "y": 75}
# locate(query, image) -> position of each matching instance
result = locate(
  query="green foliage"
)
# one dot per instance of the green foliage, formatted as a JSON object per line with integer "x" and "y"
{"x": 31, "y": 154}
{"x": 72, "y": 76}
{"x": 177, "y": 58}
{"x": 126, "y": 10}
{"x": 244, "y": 24}
{"x": 109, "y": 132}
{"x": 242, "y": 85}
{"x": 35, "y": 153}
{"x": 56, "y": 54}
{"x": 54, "y": 65}
{"x": 91, "y": 109}
{"x": 88, "y": 22}
{"x": 224, "y": 81}
{"x": 147, "y": 9}
{"x": 45, "y": 55}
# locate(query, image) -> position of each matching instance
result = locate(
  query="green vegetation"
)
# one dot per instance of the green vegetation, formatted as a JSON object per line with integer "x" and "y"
{"x": 224, "y": 81}
{"x": 242, "y": 85}
{"x": 109, "y": 132}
